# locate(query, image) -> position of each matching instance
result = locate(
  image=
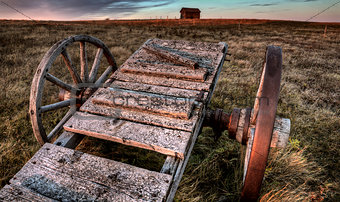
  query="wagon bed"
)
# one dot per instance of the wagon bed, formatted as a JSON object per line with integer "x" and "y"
{"x": 156, "y": 100}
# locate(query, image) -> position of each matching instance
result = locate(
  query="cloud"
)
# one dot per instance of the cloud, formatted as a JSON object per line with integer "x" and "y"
{"x": 78, "y": 8}
{"x": 268, "y": 4}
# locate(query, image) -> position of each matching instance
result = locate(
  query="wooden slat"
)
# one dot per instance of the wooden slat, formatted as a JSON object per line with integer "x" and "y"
{"x": 162, "y": 81}
{"x": 142, "y": 117}
{"x": 146, "y": 102}
{"x": 143, "y": 55}
{"x": 172, "y": 56}
{"x": 162, "y": 90}
{"x": 189, "y": 45}
{"x": 170, "y": 71}
{"x": 163, "y": 140}
{"x": 19, "y": 193}
{"x": 66, "y": 175}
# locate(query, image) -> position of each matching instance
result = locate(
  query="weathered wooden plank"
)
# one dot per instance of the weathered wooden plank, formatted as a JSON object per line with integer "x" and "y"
{"x": 162, "y": 90}
{"x": 143, "y": 55}
{"x": 19, "y": 193}
{"x": 146, "y": 118}
{"x": 190, "y": 45}
{"x": 170, "y": 71}
{"x": 162, "y": 81}
{"x": 146, "y": 102}
{"x": 172, "y": 56}
{"x": 163, "y": 140}
{"x": 67, "y": 175}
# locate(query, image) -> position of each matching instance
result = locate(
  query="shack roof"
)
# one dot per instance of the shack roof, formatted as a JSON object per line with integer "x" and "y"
{"x": 190, "y": 10}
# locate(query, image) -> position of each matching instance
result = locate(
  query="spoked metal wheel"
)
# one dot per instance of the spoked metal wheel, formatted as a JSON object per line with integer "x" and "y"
{"x": 76, "y": 90}
{"x": 262, "y": 124}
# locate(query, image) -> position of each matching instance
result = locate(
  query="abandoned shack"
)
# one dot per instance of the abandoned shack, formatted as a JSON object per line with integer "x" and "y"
{"x": 190, "y": 13}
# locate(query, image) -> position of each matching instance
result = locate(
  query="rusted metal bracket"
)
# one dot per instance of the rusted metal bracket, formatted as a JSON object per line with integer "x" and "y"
{"x": 218, "y": 120}
{"x": 221, "y": 121}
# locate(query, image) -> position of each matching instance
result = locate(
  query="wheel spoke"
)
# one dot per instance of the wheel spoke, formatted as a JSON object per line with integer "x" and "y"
{"x": 59, "y": 126}
{"x": 75, "y": 76}
{"x": 83, "y": 62}
{"x": 103, "y": 77}
{"x": 61, "y": 84}
{"x": 95, "y": 65}
{"x": 57, "y": 105}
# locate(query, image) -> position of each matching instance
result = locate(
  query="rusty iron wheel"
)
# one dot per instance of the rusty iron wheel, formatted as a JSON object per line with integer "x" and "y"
{"x": 262, "y": 124}
{"x": 87, "y": 79}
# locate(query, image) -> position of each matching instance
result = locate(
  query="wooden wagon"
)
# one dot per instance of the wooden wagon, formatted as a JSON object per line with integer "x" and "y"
{"x": 157, "y": 100}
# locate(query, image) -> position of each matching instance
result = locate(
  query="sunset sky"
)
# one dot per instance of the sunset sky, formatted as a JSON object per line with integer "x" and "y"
{"x": 145, "y": 9}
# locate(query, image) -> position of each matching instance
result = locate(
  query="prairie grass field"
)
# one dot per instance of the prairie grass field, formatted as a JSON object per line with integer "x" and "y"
{"x": 307, "y": 169}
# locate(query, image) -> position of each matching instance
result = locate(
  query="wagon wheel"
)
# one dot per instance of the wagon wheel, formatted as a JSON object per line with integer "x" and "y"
{"x": 76, "y": 92}
{"x": 262, "y": 124}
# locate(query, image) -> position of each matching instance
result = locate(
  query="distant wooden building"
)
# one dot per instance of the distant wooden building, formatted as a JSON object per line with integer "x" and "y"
{"x": 190, "y": 13}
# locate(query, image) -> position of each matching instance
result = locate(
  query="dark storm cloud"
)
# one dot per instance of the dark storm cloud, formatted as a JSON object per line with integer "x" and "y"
{"x": 82, "y": 7}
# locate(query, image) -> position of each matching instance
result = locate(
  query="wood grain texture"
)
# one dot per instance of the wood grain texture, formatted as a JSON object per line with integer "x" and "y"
{"x": 190, "y": 45}
{"x": 146, "y": 102}
{"x": 142, "y": 117}
{"x": 170, "y": 71}
{"x": 172, "y": 56}
{"x": 162, "y": 90}
{"x": 281, "y": 132}
{"x": 209, "y": 58}
{"x": 20, "y": 193}
{"x": 67, "y": 175}
{"x": 161, "y": 81}
{"x": 162, "y": 140}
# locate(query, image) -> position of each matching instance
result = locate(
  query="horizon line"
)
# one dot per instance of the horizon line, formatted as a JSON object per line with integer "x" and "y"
{"x": 165, "y": 19}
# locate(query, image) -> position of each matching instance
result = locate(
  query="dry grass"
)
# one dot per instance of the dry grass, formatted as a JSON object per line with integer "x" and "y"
{"x": 308, "y": 169}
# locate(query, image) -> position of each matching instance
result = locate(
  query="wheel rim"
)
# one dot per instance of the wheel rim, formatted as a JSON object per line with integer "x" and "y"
{"x": 81, "y": 81}
{"x": 262, "y": 121}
